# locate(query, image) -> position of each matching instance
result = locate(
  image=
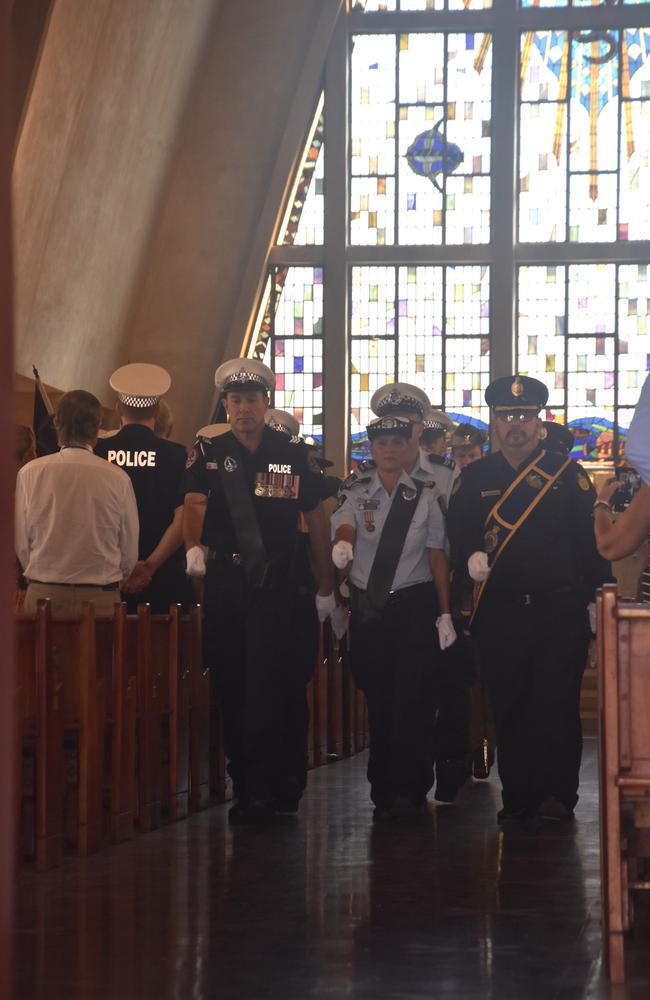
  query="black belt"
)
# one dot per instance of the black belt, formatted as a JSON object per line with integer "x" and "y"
{"x": 404, "y": 593}
{"x": 97, "y": 586}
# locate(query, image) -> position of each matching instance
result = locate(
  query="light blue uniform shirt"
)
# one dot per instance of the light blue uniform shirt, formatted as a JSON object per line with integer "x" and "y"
{"x": 366, "y": 503}
{"x": 637, "y": 449}
{"x": 444, "y": 476}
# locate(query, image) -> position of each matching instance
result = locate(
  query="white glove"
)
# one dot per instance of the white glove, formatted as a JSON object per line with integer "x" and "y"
{"x": 325, "y": 606}
{"x": 591, "y": 611}
{"x": 339, "y": 621}
{"x": 477, "y": 565}
{"x": 446, "y": 631}
{"x": 195, "y": 561}
{"x": 342, "y": 554}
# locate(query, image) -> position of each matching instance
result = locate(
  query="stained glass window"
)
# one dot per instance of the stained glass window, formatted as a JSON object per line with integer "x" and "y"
{"x": 404, "y": 5}
{"x": 579, "y": 3}
{"x": 290, "y": 341}
{"x": 304, "y": 222}
{"x": 427, "y": 325}
{"x": 584, "y": 167}
{"x": 420, "y": 138}
{"x": 583, "y": 329}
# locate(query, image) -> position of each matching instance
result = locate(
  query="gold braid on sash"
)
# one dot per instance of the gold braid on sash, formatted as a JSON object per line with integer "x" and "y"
{"x": 512, "y": 529}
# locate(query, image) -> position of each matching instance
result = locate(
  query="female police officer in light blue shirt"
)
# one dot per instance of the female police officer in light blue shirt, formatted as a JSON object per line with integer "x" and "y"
{"x": 390, "y": 531}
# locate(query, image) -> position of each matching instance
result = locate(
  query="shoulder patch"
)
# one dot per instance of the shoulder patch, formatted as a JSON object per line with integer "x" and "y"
{"x": 349, "y": 481}
{"x": 191, "y": 458}
{"x": 584, "y": 482}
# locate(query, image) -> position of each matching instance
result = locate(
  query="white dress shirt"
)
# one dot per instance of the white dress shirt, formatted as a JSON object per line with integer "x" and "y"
{"x": 637, "y": 449}
{"x": 76, "y": 519}
{"x": 367, "y": 504}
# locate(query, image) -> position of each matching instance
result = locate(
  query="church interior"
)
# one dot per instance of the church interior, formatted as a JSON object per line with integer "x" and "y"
{"x": 353, "y": 193}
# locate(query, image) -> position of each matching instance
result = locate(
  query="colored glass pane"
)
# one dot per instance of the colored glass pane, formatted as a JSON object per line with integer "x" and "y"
{"x": 427, "y": 325}
{"x": 579, "y": 3}
{"x": 583, "y": 330}
{"x": 584, "y": 161}
{"x": 290, "y": 341}
{"x": 406, "y": 5}
{"x": 305, "y": 219}
{"x": 420, "y": 138}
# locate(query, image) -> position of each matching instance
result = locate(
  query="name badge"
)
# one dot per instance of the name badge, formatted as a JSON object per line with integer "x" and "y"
{"x": 490, "y": 493}
{"x": 371, "y": 503}
{"x": 277, "y": 485}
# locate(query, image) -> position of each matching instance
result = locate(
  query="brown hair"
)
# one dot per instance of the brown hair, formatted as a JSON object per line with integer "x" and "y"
{"x": 25, "y": 444}
{"x": 78, "y": 417}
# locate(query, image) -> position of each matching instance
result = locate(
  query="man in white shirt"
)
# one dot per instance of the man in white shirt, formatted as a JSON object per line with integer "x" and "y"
{"x": 76, "y": 517}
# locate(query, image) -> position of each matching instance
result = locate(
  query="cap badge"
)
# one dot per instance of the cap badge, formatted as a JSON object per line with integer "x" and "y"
{"x": 517, "y": 388}
{"x": 229, "y": 464}
{"x": 394, "y": 398}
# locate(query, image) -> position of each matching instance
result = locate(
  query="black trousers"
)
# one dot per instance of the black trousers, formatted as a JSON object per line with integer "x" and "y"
{"x": 451, "y": 737}
{"x": 394, "y": 661}
{"x": 534, "y": 657}
{"x": 261, "y": 648}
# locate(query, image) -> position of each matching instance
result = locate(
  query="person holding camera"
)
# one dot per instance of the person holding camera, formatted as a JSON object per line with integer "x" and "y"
{"x": 619, "y": 538}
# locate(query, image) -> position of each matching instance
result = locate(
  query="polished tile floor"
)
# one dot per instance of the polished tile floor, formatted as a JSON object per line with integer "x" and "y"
{"x": 327, "y": 906}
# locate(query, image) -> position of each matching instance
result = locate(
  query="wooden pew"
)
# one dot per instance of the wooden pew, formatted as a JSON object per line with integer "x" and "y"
{"x": 41, "y": 728}
{"x": 123, "y": 742}
{"x": 624, "y": 721}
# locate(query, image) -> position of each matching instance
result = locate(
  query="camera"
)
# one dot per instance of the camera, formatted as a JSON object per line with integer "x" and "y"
{"x": 629, "y": 482}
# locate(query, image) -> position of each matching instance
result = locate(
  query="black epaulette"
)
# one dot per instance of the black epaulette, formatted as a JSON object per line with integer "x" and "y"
{"x": 296, "y": 439}
{"x": 354, "y": 479}
{"x": 366, "y": 465}
{"x": 447, "y": 463}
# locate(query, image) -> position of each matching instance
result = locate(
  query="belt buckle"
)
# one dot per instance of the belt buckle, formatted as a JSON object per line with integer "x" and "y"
{"x": 527, "y": 600}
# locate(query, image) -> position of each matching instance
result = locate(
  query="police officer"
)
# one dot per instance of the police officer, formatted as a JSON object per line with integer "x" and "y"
{"x": 557, "y": 437}
{"x": 245, "y": 491}
{"x": 391, "y": 528}
{"x": 520, "y": 522}
{"x": 467, "y": 443}
{"x": 155, "y": 467}
{"x": 451, "y": 729}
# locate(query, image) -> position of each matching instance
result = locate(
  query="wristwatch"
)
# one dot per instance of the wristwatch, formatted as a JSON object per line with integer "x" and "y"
{"x": 603, "y": 505}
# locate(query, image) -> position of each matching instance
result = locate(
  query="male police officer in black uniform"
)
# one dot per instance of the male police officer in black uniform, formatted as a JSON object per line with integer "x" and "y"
{"x": 245, "y": 491}
{"x": 155, "y": 467}
{"x": 521, "y": 522}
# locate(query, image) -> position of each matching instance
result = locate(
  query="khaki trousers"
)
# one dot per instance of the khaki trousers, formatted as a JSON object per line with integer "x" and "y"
{"x": 70, "y": 600}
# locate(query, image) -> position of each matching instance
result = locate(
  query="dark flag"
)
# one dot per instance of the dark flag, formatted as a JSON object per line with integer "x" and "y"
{"x": 43, "y": 420}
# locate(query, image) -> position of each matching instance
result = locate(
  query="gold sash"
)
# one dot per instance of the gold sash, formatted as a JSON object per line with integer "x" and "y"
{"x": 514, "y": 508}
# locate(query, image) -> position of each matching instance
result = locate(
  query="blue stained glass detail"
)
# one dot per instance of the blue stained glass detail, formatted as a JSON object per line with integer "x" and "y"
{"x": 298, "y": 364}
{"x": 431, "y": 155}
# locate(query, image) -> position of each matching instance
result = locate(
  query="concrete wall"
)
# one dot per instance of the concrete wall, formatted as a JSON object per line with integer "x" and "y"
{"x": 143, "y": 163}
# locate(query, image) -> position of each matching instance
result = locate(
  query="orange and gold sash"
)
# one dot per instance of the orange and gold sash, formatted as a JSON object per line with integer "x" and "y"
{"x": 515, "y": 507}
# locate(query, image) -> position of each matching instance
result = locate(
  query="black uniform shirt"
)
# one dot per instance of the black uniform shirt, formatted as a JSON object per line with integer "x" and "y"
{"x": 155, "y": 467}
{"x": 280, "y": 465}
{"x": 553, "y": 550}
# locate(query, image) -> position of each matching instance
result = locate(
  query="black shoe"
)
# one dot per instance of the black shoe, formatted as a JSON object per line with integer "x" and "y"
{"x": 451, "y": 775}
{"x": 255, "y": 812}
{"x": 512, "y": 817}
{"x": 553, "y": 810}
{"x": 408, "y": 811}
{"x": 285, "y": 806}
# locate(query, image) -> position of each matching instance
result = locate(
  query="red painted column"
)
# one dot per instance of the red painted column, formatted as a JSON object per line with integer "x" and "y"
{"x": 7, "y": 475}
